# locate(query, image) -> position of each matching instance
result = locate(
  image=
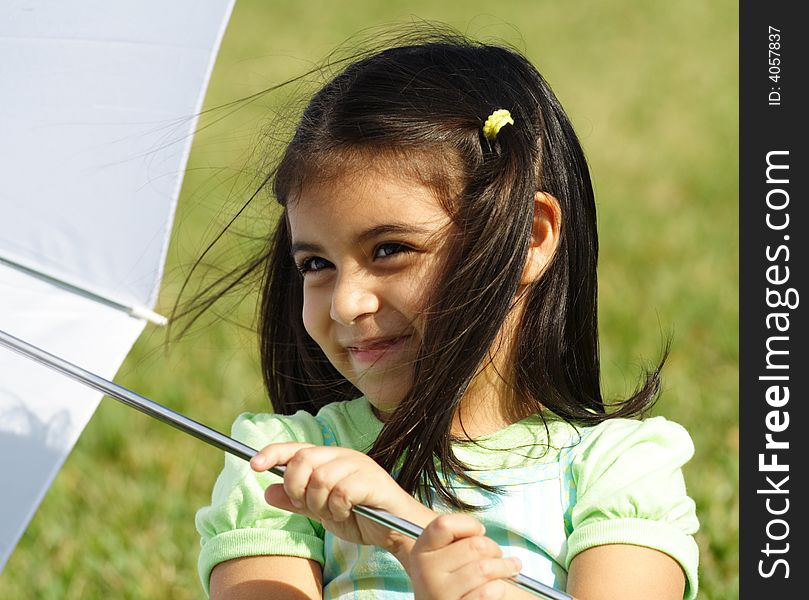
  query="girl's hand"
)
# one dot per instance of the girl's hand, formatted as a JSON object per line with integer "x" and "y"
{"x": 453, "y": 559}
{"x": 325, "y": 482}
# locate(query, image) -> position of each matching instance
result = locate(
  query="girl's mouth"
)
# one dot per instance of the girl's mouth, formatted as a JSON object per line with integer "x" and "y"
{"x": 373, "y": 351}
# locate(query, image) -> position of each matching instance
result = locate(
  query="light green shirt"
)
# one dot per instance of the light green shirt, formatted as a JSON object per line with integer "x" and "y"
{"x": 564, "y": 491}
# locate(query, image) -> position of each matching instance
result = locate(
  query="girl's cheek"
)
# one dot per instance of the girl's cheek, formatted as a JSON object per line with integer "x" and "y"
{"x": 421, "y": 289}
{"x": 315, "y": 315}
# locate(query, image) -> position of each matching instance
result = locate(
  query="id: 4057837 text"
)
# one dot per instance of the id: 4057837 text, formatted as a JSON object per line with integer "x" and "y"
{"x": 774, "y": 59}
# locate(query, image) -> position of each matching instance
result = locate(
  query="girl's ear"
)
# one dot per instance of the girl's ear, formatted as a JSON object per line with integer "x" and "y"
{"x": 544, "y": 237}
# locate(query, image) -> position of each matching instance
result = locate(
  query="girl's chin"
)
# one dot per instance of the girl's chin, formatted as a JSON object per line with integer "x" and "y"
{"x": 383, "y": 390}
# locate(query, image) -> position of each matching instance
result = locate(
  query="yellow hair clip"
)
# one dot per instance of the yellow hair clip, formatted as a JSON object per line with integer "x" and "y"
{"x": 495, "y": 123}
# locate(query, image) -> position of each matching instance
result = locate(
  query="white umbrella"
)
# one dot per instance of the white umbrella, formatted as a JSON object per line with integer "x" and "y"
{"x": 98, "y": 103}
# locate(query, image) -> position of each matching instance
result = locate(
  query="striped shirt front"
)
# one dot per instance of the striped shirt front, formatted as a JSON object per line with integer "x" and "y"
{"x": 563, "y": 490}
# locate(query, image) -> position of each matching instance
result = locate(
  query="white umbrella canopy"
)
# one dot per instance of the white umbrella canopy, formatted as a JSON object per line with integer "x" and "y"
{"x": 98, "y": 103}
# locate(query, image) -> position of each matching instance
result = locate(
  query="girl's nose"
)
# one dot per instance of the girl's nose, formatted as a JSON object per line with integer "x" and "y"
{"x": 352, "y": 298}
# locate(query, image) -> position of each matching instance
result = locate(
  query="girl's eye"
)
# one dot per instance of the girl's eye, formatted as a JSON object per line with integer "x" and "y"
{"x": 386, "y": 250}
{"x": 312, "y": 264}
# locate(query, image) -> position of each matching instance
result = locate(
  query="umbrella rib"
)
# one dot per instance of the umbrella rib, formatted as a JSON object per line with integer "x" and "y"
{"x": 139, "y": 312}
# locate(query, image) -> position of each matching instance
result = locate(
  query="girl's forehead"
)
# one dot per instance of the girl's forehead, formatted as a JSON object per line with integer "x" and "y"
{"x": 437, "y": 168}
{"x": 365, "y": 199}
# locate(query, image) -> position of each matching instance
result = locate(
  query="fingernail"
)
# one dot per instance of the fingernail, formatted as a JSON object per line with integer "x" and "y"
{"x": 259, "y": 461}
{"x": 517, "y": 564}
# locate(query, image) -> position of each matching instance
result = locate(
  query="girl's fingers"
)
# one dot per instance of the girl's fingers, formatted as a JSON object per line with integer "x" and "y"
{"x": 311, "y": 474}
{"x": 276, "y": 454}
{"x": 276, "y": 496}
{"x": 462, "y": 552}
{"x": 453, "y": 557}
{"x": 353, "y": 489}
{"x": 493, "y": 590}
{"x": 476, "y": 575}
{"x": 323, "y": 482}
{"x": 300, "y": 468}
{"x": 446, "y": 529}
{"x": 282, "y": 454}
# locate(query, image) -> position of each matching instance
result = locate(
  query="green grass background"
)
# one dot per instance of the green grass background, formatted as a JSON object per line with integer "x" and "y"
{"x": 652, "y": 90}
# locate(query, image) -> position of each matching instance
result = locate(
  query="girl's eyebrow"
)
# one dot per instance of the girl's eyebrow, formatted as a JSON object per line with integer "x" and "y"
{"x": 304, "y": 247}
{"x": 390, "y": 228}
{"x": 366, "y": 235}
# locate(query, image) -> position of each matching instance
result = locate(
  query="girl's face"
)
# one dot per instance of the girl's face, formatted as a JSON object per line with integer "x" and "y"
{"x": 369, "y": 247}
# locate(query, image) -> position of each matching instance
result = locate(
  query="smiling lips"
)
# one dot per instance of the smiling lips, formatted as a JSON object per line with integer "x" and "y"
{"x": 373, "y": 350}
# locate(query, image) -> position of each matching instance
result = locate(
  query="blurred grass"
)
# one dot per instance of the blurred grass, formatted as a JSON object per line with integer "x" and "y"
{"x": 652, "y": 91}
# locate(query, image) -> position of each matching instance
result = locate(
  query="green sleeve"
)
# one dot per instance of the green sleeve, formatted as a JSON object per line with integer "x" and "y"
{"x": 630, "y": 490}
{"x": 238, "y": 521}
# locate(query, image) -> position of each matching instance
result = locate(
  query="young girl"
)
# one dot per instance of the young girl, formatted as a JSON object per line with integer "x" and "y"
{"x": 429, "y": 342}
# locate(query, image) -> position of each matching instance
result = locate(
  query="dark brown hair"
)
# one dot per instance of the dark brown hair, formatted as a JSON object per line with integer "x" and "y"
{"x": 421, "y": 106}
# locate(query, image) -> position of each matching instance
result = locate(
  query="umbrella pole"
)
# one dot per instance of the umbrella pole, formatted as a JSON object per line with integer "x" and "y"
{"x": 225, "y": 443}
